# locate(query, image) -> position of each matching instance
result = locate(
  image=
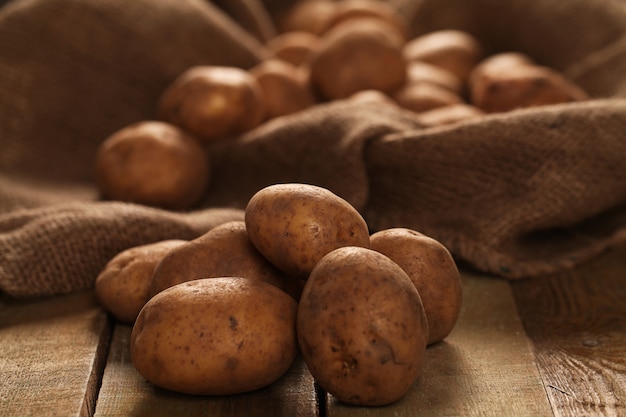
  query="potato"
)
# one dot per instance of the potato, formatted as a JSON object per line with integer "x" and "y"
{"x": 420, "y": 97}
{"x": 454, "y": 50}
{"x": 371, "y": 96}
{"x": 152, "y": 163}
{"x": 309, "y": 16}
{"x": 358, "y": 54}
{"x": 418, "y": 72}
{"x": 448, "y": 114}
{"x": 224, "y": 251}
{"x": 498, "y": 61}
{"x": 511, "y": 87}
{"x": 293, "y": 47}
{"x": 213, "y": 102}
{"x": 286, "y": 88}
{"x": 361, "y": 327}
{"x": 215, "y": 336}
{"x": 349, "y": 9}
{"x": 123, "y": 285}
{"x": 432, "y": 270}
{"x": 295, "y": 225}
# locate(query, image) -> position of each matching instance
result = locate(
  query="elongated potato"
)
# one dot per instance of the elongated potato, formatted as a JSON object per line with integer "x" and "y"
{"x": 215, "y": 336}
{"x": 224, "y": 251}
{"x": 295, "y": 225}
{"x": 361, "y": 327}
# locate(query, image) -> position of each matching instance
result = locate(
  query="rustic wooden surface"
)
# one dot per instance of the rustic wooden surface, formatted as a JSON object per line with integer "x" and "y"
{"x": 554, "y": 346}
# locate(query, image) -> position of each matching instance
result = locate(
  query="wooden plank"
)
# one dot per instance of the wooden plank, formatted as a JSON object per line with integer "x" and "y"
{"x": 485, "y": 367}
{"x": 52, "y": 355}
{"x": 124, "y": 393}
{"x": 577, "y": 322}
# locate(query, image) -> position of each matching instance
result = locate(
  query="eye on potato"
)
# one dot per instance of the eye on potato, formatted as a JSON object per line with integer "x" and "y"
{"x": 295, "y": 225}
{"x": 123, "y": 285}
{"x": 213, "y": 102}
{"x": 432, "y": 270}
{"x": 215, "y": 336}
{"x": 361, "y": 327}
{"x": 358, "y": 54}
{"x": 152, "y": 163}
{"x": 224, "y": 251}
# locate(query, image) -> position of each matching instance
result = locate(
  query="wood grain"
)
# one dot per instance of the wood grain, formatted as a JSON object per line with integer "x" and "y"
{"x": 125, "y": 393}
{"x": 577, "y": 322}
{"x": 53, "y": 353}
{"x": 484, "y": 368}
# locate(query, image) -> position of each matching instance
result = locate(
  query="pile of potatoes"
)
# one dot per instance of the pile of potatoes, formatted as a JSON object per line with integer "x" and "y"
{"x": 326, "y": 50}
{"x": 229, "y": 311}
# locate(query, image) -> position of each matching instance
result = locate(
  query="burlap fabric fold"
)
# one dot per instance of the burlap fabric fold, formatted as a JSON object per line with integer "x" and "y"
{"x": 517, "y": 195}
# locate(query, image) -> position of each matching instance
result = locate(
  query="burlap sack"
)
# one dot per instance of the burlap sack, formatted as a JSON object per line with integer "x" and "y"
{"x": 517, "y": 195}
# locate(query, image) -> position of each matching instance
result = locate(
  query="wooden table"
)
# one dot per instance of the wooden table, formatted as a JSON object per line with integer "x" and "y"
{"x": 547, "y": 347}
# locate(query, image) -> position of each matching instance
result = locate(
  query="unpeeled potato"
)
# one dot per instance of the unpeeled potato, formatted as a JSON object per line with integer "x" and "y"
{"x": 358, "y": 54}
{"x": 153, "y": 163}
{"x": 295, "y": 225}
{"x": 432, "y": 270}
{"x": 123, "y": 285}
{"x": 213, "y": 102}
{"x": 361, "y": 327}
{"x": 224, "y": 251}
{"x": 215, "y": 336}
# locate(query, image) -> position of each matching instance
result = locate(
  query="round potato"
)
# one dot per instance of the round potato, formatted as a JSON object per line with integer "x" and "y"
{"x": 123, "y": 285}
{"x": 350, "y": 9}
{"x": 358, "y": 54}
{"x": 286, "y": 87}
{"x": 454, "y": 50}
{"x": 224, "y": 251}
{"x": 432, "y": 270}
{"x": 153, "y": 163}
{"x": 361, "y": 327}
{"x": 215, "y": 336}
{"x": 499, "y": 61}
{"x": 295, "y": 225}
{"x": 308, "y": 16}
{"x": 213, "y": 102}
{"x": 293, "y": 47}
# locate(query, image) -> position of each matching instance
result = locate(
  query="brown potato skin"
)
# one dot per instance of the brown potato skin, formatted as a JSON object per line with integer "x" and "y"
{"x": 285, "y": 87}
{"x": 432, "y": 270}
{"x": 358, "y": 54}
{"x": 456, "y": 51}
{"x": 123, "y": 285}
{"x": 361, "y": 327}
{"x": 308, "y": 16}
{"x": 506, "y": 88}
{"x": 293, "y": 47}
{"x": 213, "y": 102}
{"x": 224, "y": 251}
{"x": 424, "y": 96}
{"x": 216, "y": 336}
{"x": 295, "y": 225}
{"x": 153, "y": 163}
{"x": 351, "y": 9}
{"x": 449, "y": 114}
